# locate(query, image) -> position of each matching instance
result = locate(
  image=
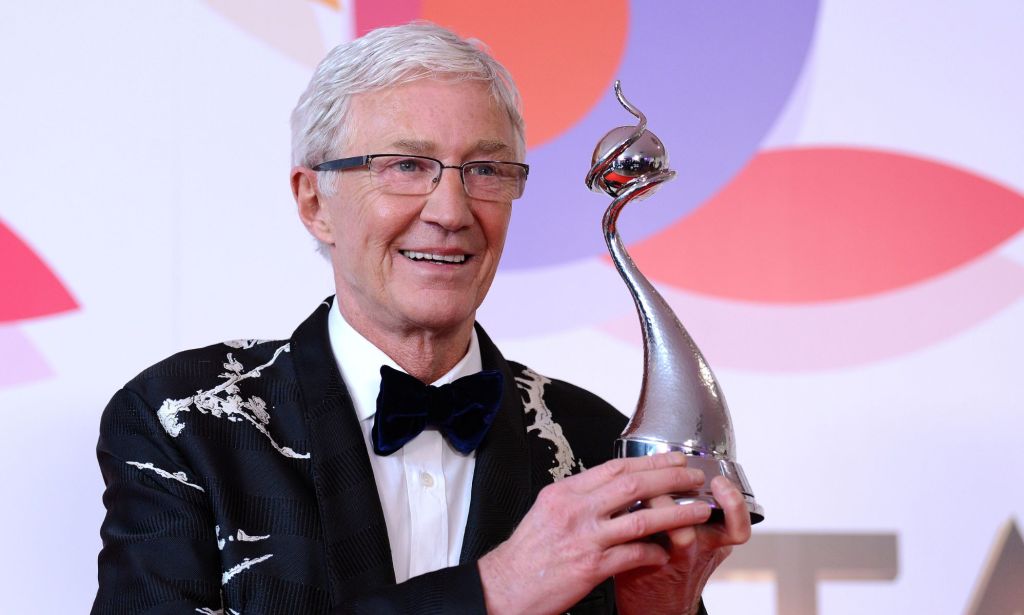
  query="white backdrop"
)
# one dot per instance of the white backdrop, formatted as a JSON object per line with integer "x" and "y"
{"x": 144, "y": 157}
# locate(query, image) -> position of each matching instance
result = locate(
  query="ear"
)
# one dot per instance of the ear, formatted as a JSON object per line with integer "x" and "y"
{"x": 312, "y": 211}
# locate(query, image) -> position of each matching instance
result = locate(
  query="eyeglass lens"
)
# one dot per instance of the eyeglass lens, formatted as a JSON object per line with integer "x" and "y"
{"x": 412, "y": 175}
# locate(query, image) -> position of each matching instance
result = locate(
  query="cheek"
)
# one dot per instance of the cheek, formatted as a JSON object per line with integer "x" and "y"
{"x": 366, "y": 221}
{"x": 495, "y": 226}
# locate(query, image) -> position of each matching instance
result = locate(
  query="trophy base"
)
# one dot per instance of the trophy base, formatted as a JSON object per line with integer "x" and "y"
{"x": 712, "y": 467}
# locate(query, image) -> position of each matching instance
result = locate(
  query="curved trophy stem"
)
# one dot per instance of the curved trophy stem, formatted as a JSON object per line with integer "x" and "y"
{"x": 675, "y": 371}
{"x": 681, "y": 405}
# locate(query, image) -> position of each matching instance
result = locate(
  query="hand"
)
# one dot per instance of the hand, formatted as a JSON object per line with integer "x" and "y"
{"x": 694, "y": 553}
{"x": 574, "y": 537}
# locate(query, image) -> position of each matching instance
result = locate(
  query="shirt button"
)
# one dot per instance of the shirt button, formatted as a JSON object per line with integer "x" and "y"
{"x": 426, "y": 479}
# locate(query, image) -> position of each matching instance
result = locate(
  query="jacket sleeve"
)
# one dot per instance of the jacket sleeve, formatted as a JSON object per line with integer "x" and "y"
{"x": 159, "y": 546}
{"x": 160, "y": 551}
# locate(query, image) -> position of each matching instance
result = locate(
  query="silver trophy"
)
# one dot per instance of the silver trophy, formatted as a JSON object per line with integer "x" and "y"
{"x": 681, "y": 406}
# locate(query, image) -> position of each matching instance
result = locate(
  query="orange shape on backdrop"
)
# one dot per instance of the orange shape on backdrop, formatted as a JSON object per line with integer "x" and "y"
{"x": 30, "y": 287}
{"x": 809, "y": 225}
{"x": 563, "y": 54}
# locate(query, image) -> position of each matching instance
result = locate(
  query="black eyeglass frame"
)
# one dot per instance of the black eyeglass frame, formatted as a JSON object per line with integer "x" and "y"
{"x": 355, "y": 162}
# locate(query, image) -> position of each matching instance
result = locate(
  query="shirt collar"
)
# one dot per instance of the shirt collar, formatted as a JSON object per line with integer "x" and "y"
{"x": 359, "y": 362}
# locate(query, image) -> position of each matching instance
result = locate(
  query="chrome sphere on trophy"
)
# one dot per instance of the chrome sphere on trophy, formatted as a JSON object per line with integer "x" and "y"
{"x": 681, "y": 406}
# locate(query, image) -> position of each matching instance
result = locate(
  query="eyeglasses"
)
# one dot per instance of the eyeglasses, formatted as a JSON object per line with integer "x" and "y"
{"x": 487, "y": 180}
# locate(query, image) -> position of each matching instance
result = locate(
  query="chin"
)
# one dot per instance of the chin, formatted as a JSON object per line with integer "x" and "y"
{"x": 442, "y": 322}
{"x": 440, "y": 317}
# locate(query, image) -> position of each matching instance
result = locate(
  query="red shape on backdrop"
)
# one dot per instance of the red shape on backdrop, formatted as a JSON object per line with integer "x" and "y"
{"x": 808, "y": 225}
{"x": 372, "y": 14}
{"x": 30, "y": 288}
{"x": 562, "y": 61}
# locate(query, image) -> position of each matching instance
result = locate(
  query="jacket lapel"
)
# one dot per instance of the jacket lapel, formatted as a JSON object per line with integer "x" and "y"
{"x": 356, "y": 546}
{"x": 502, "y": 490}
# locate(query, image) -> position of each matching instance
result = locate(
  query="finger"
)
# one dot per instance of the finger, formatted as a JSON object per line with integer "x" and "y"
{"x": 679, "y": 539}
{"x": 601, "y": 475}
{"x": 627, "y": 490}
{"x": 665, "y": 501}
{"x": 648, "y": 521}
{"x": 737, "y": 517}
{"x": 628, "y": 556}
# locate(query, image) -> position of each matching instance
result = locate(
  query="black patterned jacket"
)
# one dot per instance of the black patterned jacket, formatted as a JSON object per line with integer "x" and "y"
{"x": 237, "y": 481}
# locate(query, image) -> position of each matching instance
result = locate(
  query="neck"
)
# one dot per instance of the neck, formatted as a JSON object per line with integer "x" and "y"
{"x": 424, "y": 354}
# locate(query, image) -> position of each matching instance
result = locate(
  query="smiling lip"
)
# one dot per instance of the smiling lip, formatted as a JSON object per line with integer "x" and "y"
{"x": 439, "y": 257}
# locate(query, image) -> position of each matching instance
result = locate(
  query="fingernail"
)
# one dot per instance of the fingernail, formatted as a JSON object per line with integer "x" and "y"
{"x": 696, "y": 475}
{"x": 722, "y": 481}
{"x": 677, "y": 458}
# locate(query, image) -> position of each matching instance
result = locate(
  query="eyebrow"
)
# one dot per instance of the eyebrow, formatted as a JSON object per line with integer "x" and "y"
{"x": 492, "y": 147}
{"x": 485, "y": 147}
{"x": 413, "y": 146}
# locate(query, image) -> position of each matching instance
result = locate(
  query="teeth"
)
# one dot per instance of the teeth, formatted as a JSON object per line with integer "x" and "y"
{"x": 438, "y": 258}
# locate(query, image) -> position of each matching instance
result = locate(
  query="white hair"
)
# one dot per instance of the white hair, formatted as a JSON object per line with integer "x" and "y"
{"x": 384, "y": 58}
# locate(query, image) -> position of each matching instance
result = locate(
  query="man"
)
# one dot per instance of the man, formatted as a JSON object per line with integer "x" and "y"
{"x": 313, "y": 475}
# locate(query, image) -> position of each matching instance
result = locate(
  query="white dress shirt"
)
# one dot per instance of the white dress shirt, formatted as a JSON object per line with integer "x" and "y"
{"x": 424, "y": 487}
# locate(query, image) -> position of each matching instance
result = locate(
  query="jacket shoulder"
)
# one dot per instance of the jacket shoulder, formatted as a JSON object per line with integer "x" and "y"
{"x": 186, "y": 372}
{"x": 214, "y": 391}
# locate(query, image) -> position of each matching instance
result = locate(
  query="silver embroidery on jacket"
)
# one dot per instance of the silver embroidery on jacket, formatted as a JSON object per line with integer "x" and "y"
{"x": 243, "y": 343}
{"x": 240, "y": 535}
{"x": 181, "y": 477}
{"x": 224, "y": 401}
{"x": 532, "y": 385}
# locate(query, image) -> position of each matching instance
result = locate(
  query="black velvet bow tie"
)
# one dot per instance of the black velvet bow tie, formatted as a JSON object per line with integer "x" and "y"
{"x": 461, "y": 410}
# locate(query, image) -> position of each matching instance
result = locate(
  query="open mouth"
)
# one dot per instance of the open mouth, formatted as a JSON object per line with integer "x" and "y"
{"x": 440, "y": 259}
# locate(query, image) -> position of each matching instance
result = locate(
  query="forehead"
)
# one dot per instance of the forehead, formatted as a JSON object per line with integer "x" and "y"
{"x": 432, "y": 117}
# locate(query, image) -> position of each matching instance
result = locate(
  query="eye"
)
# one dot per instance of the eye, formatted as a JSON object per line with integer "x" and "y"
{"x": 484, "y": 169}
{"x": 409, "y": 165}
{"x": 405, "y": 164}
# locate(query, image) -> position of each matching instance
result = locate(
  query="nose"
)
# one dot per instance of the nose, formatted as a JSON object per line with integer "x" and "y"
{"x": 448, "y": 206}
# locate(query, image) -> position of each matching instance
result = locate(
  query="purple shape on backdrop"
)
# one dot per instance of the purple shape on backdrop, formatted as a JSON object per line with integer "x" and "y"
{"x": 712, "y": 77}
{"x": 20, "y": 361}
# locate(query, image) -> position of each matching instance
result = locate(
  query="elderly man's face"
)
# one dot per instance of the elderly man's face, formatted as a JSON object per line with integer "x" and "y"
{"x": 380, "y": 282}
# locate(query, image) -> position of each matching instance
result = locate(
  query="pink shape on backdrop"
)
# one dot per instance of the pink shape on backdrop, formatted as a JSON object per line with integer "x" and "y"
{"x": 30, "y": 287}
{"x": 840, "y": 334}
{"x": 808, "y": 225}
{"x": 20, "y": 361}
{"x": 372, "y": 14}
